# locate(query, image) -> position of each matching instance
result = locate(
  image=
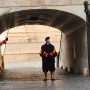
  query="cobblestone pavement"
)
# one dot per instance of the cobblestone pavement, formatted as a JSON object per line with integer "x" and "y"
{"x": 27, "y": 78}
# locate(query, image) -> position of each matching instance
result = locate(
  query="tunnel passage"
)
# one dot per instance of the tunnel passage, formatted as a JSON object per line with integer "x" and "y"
{"x": 73, "y": 44}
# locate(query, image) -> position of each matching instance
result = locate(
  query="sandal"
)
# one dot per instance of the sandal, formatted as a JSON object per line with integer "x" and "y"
{"x": 44, "y": 79}
{"x": 52, "y": 79}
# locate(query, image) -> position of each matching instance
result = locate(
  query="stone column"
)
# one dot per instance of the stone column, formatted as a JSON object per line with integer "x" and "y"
{"x": 67, "y": 52}
{"x": 81, "y": 59}
{"x": 73, "y": 52}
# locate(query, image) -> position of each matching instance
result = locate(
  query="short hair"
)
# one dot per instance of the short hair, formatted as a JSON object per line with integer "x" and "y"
{"x": 47, "y": 38}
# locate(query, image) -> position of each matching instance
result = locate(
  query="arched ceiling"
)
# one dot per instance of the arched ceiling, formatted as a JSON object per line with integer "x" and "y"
{"x": 64, "y": 21}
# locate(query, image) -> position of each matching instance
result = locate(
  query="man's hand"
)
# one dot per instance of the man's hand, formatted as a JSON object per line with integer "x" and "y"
{"x": 52, "y": 53}
{"x": 4, "y": 42}
{"x": 45, "y": 54}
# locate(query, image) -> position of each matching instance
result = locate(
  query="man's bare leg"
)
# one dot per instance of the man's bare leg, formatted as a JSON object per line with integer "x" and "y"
{"x": 52, "y": 75}
{"x": 45, "y": 76}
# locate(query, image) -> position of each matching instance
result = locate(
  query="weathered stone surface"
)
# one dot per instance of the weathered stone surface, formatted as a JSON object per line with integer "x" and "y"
{"x": 77, "y": 58}
{"x": 22, "y": 57}
{"x": 4, "y": 3}
{"x": 26, "y": 47}
{"x": 74, "y": 9}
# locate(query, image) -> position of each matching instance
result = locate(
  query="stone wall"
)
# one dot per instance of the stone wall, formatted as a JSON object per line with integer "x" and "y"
{"x": 76, "y": 61}
{"x": 13, "y": 3}
{"x": 72, "y": 6}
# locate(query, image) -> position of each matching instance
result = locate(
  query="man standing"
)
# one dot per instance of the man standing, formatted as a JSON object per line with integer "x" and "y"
{"x": 48, "y": 54}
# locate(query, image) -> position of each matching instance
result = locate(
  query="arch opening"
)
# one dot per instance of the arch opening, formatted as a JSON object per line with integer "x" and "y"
{"x": 23, "y": 47}
{"x": 73, "y": 45}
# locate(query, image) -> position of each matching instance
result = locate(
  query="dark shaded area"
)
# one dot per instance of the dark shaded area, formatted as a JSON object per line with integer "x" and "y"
{"x": 64, "y": 21}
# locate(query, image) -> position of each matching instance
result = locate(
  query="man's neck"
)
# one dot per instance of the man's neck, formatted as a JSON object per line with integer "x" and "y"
{"x": 47, "y": 43}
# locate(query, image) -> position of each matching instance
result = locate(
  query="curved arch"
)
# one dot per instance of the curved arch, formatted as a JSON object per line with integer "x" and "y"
{"x": 64, "y": 21}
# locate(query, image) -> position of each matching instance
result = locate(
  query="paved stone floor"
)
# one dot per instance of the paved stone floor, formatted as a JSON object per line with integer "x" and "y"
{"x": 27, "y": 78}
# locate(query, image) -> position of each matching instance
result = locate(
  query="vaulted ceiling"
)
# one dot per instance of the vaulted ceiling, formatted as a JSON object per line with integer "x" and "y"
{"x": 64, "y": 21}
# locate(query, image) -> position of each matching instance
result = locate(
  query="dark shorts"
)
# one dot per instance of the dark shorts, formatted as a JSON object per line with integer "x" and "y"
{"x": 48, "y": 65}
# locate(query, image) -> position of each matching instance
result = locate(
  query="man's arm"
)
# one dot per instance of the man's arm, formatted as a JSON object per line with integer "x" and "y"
{"x": 43, "y": 53}
{"x": 53, "y": 53}
{"x": 3, "y": 42}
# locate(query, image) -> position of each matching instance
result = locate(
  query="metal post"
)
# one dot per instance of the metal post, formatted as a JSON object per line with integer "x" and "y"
{"x": 87, "y": 11}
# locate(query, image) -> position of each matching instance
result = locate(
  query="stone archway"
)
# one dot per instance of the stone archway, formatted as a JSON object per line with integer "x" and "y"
{"x": 73, "y": 52}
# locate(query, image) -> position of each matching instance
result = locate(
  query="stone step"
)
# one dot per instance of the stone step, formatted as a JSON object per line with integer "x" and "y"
{"x": 17, "y": 39}
{"x": 21, "y": 57}
{"x": 17, "y": 48}
{"x": 24, "y": 57}
{"x": 17, "y": 34}
{"x": 33, "y": 33}
{"x": 25, "y": 39}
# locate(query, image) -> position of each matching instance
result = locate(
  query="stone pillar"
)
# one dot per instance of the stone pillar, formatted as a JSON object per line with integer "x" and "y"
{"x": 81, "y": 58}
{"x": 73, "y": 52}
{"x": 67, "y": 52}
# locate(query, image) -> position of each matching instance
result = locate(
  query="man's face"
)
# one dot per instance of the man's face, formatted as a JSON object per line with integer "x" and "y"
{"x": 48, "y": 41}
